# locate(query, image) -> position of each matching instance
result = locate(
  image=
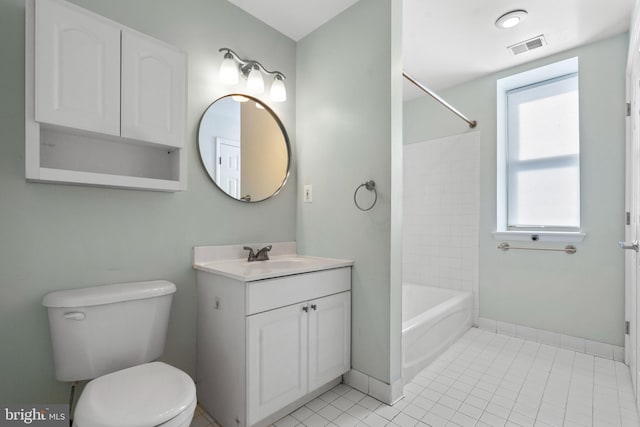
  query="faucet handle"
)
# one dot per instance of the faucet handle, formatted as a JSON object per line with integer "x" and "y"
{"x": 252, "y": 255}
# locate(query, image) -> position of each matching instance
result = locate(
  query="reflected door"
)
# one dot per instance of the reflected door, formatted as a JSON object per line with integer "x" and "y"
{"x": 228, "y": 166}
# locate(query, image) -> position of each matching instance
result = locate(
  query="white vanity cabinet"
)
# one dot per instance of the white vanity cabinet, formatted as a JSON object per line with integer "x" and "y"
{"x": 296, "y": 349}
{"x": 105, "y": 105}
{"x": 277, "y": 356}
{"x": 268, "y": 346}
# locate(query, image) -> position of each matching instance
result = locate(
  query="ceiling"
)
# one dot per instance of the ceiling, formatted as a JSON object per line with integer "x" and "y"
{"x": 448, "y": 42}
{"x": 294, "y": 18}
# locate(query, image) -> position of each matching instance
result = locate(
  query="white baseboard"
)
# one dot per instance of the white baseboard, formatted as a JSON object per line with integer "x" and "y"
{"x": 580, "y": 345}
{"x": 386, "y": 393}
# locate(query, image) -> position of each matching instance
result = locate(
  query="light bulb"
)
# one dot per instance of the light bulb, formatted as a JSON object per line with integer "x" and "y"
{"x": 228, "y": 70}
{"x": 255, "y": 82}
{"x": 511, "y": 22}
{"x": 278, "y": 90}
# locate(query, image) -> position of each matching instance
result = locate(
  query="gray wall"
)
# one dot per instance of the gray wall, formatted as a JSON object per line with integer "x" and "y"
{"x": 57, "y": 236}
{"x": 349, "y": 111}
{"x": 582, "y": 294}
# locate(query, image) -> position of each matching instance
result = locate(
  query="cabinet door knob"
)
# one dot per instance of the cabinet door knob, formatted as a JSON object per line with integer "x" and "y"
{"x": 314, "y": 307}
{"x": 305, "y": 309}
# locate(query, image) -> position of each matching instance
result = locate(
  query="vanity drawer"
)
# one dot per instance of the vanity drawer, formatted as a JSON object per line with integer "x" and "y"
{"x": 263, "y": 295}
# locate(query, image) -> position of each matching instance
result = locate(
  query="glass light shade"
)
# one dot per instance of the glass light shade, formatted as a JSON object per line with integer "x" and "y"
{"x": 511, "y": 22}
{"x": 278, "y": 90}
{"x": 229, "y": 70}
{"x": 511, "y": 19}
{"x": 255, "y": 82}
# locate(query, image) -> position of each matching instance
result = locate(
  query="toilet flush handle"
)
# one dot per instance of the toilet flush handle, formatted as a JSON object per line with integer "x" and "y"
{"x": 75, "y": 315}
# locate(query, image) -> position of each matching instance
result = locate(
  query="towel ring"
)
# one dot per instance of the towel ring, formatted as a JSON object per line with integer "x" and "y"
{"x": 371, "y": 186}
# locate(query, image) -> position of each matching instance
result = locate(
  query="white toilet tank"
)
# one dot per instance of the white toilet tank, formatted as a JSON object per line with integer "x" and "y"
{"x": 103, "y": 329}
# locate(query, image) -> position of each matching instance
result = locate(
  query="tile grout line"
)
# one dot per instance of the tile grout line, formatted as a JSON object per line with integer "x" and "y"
{"x": 504, "y": 344}
{"x": 566, "y": 404}
{"x": 525, "y": 378}
{"x": 555, "y": 355}
{"x": 593, "y": 391}
{"x": 615, "y": 372}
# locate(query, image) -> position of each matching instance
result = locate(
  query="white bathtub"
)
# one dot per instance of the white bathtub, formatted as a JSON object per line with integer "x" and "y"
{"x": 432, "y": 319}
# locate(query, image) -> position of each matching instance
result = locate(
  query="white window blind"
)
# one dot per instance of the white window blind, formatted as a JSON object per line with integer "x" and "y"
{"x": 543, "y": 156}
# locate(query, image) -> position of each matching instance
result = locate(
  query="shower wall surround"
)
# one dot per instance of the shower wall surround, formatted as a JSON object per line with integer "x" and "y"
{"x": 441, "y": 213}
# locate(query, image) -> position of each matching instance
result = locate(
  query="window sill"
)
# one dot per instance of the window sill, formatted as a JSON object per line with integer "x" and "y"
{"x": 543, "y": 236}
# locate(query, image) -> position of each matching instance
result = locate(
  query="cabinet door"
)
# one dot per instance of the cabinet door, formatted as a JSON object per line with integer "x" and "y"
{"x": 329, "y": 338}
{"x": 153, "y": 90}
{"x": 77, "y": 68}
{"x": 276, "y": 359}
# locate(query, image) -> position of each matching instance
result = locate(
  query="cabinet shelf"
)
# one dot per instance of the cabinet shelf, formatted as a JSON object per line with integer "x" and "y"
{"x": 50, "y": 175}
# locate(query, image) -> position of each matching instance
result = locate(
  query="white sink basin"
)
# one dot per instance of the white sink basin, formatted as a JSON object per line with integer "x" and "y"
{"x": 284, "y": 265}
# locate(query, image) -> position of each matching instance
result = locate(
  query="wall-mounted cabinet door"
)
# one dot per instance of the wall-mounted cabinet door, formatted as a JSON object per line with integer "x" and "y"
{"x": 77, "y": 77}
{"x": 153, "y": 90}
{"x": 329, "y": 338}
{"x": 276, "y": 360}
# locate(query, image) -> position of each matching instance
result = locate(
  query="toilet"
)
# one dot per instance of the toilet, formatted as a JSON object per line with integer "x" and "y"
{"x": 111, "y": 335}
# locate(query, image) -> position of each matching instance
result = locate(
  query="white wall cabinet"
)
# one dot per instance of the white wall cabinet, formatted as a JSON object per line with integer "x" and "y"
{"x": 77, "y": 69}
{"x": 268, "y": 346}
{"x": 153, "y": 90}
{"x": 105, "y": 105}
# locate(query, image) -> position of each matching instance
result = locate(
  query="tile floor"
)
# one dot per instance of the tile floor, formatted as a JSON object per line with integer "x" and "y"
{"x": 486, "y": 380}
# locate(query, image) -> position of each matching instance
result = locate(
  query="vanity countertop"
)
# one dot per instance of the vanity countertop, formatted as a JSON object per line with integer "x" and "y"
{"x": 276, "y": 266}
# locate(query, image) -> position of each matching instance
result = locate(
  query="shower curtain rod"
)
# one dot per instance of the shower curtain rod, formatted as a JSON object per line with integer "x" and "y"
{"x": 472, "y": 123}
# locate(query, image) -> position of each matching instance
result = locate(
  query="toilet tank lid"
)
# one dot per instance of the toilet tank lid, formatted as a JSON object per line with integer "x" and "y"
{"x": 108, "y": 294}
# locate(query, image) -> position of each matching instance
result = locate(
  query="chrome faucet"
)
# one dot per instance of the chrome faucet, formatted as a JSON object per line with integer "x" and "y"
{"x": 261, "y": 255}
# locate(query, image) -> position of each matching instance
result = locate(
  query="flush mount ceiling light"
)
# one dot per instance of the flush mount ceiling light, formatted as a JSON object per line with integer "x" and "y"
{"x": 511, "y": 19}
{"x": 232, "y": 66}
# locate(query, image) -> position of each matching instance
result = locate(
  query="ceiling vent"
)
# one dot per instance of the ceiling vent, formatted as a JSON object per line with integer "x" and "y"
{"x": 528, "y": 45}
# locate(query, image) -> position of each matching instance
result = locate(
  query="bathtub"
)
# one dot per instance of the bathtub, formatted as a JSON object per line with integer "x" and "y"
{"x": 432, "y": 319}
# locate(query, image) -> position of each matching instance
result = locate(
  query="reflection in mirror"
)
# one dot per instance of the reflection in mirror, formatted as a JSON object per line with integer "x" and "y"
{"x": 244, "y": 148}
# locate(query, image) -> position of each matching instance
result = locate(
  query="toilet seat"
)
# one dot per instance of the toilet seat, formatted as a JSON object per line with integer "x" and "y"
{"x": 146, "y": 395}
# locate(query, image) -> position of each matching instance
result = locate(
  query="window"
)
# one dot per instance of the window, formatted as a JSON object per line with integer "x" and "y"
{"x": 539, "y": 151}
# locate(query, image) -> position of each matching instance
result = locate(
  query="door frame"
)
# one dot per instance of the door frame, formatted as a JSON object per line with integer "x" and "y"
{"x": 632, "y": 202}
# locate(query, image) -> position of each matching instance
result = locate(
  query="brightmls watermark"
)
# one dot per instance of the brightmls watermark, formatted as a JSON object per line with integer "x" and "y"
{"x": 52, "y": 415}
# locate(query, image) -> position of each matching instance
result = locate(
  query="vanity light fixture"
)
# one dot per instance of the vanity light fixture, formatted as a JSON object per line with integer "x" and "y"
{"x": 253, "y": 72}
{"x": 511, "y": 19}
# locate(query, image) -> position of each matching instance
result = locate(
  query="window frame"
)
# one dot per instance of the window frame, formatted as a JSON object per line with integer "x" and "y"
{"x": 522, "y": 81}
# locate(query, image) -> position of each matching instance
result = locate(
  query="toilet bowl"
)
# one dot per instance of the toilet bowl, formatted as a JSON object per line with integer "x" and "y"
{"x": 152, "y": 394}
{"x": 111, "y": 335}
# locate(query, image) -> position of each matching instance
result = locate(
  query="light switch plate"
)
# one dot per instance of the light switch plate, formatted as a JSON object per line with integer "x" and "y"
{"x": 307, "y": 196}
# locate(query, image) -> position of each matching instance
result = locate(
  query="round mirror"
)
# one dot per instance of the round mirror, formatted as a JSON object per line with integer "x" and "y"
{"x": 244, "y": 148}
